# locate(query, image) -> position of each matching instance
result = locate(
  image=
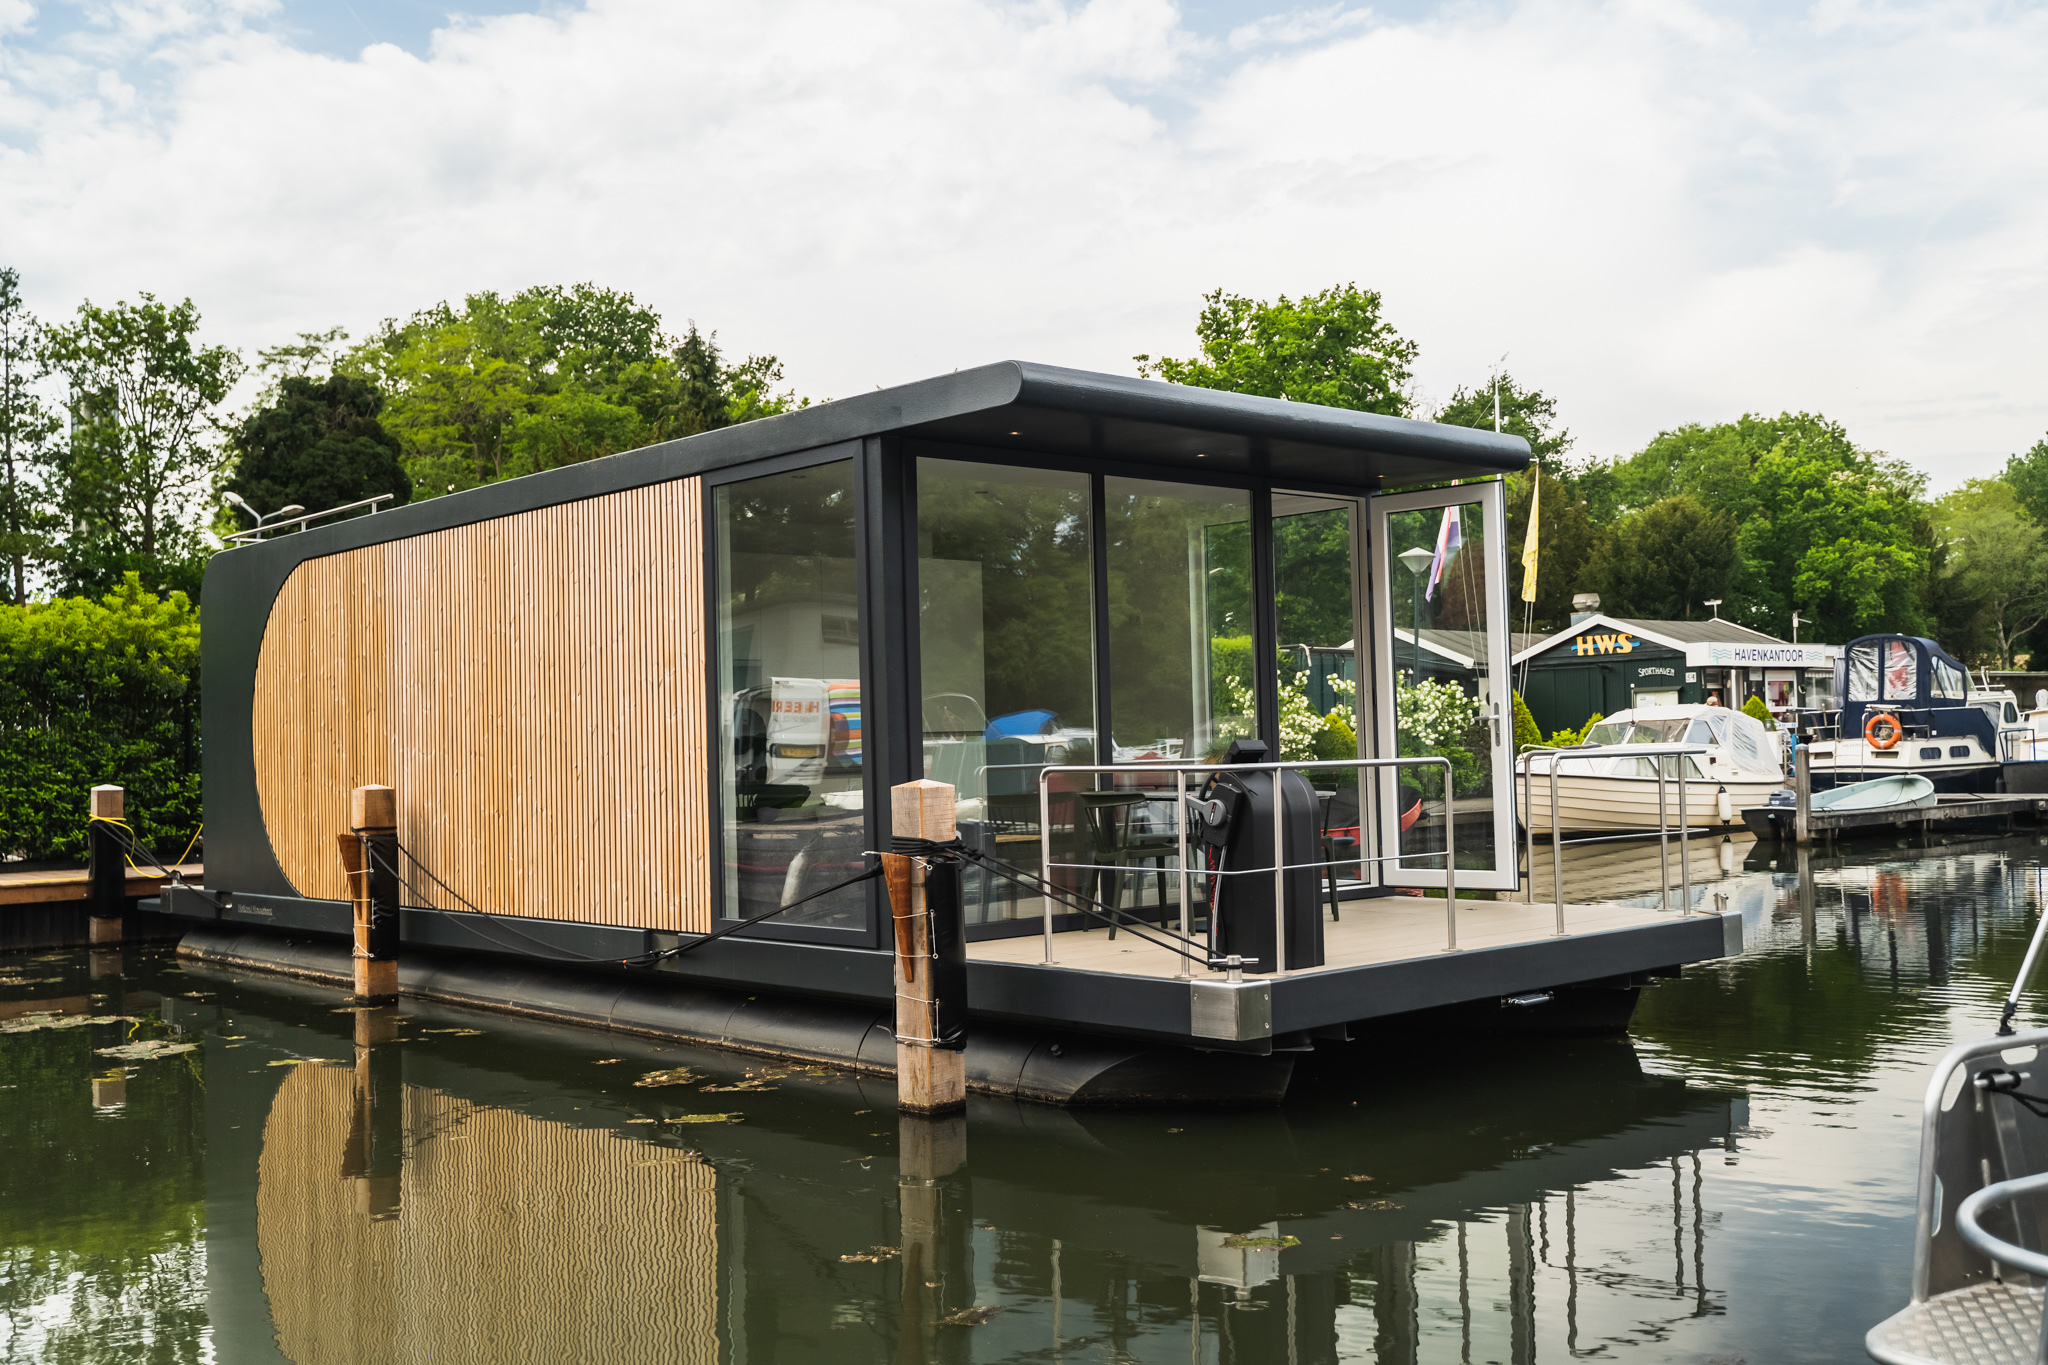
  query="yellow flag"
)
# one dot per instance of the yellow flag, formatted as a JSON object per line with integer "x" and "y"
{"x": 1529, "y": 541}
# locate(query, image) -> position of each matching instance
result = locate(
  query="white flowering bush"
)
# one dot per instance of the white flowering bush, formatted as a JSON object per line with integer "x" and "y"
{"x": 1438, "y": 720}
{"x": 1303, "y": 734}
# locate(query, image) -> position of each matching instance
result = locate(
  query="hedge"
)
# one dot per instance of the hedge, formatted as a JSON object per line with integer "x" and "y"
{"x": 94, "y": 692}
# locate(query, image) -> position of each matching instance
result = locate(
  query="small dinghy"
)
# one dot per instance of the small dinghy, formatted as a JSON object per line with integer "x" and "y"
{"x": 1880, "y": 793}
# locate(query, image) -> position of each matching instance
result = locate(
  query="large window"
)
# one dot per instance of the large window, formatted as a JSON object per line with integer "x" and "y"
{"x": 1180, "y": 619}
{"x": 1005, "y": 643}
{"x": 789, "y": 703}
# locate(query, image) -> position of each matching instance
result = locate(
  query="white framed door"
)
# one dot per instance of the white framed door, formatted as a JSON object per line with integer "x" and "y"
{"x": 1442, "y": 683}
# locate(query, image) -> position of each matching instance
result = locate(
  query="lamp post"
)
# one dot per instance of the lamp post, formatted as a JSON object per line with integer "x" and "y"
{"x": 234, "y": 500}
{"x": 1417, "y": 562}
{"x": 1713, "y": 602}
{"x": 1795, "y": 627}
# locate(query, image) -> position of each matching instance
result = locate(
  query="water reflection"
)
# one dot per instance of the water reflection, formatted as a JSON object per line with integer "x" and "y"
{"x": 316, "y": 1184}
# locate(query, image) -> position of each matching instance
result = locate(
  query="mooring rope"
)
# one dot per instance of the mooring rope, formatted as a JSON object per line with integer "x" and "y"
{"x": 131, "y": 844}
{"x": 1074, "y": 900}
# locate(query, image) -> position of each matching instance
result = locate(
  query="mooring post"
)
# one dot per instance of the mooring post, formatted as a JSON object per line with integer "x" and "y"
{"x": 373, "y": 886}
{"x": 930, "y": 1078}
{"x": 106, "y": 864}
{"x": 1802, "y": 796}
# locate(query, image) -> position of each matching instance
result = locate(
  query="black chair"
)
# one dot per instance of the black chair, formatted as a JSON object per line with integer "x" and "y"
{"x": 1340, "y": 812}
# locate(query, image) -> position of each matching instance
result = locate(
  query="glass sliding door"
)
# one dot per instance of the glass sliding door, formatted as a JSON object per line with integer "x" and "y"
{"x": 1315, "y": 574}
{"x": 1005, "y": 593}
{"x": 787, "y": 630}
{"x": 1439, "y": 595}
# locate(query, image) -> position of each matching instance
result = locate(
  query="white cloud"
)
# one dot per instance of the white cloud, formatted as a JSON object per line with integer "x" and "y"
{"x": 1662, "y": 212}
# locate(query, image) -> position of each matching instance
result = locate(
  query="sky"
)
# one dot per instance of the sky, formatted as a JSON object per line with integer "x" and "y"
{"x": 1658, "y": 213}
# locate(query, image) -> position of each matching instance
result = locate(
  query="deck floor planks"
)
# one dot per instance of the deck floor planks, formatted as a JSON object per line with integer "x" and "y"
{"x": 1391, "y": 929}
{"x": 40, "y": 888}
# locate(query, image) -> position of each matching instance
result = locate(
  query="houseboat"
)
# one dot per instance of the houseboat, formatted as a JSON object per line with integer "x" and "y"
{"x": 657, "y": 702}
{"x": 1907, "y": 707}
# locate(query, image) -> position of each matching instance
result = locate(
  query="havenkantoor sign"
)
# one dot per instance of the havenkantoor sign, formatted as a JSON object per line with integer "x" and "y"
{"x": 1724, "y": 655}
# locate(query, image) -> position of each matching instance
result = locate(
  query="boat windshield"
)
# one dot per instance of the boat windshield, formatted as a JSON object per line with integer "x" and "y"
{"x": 1664, "y": 730}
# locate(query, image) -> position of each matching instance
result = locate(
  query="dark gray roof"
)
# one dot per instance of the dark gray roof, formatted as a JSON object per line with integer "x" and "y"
{"x": 1023, "y": 410}
{"x": 1025, "y": 407}
{"x": 1701, "y": 632}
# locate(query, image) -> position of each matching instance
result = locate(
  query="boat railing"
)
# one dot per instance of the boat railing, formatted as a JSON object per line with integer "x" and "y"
{"x": 1277, "y": 870}
{"x": 1983, "y": 1151}
{"x": 1668, "y": 757}
{"x": 2019, "y": 744}
{"x": 1970, "y": 1223}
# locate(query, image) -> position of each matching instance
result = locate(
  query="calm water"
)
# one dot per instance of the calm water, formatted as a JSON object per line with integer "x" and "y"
{"x": 1732, "y": 1183}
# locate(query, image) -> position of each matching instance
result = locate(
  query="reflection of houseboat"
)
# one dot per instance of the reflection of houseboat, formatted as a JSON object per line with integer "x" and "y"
{"x": 481, "y": 1199}
{"x": 1601, "y": 786}
{"x": 1908, "y": 707}
{"x": 627, "y": 704}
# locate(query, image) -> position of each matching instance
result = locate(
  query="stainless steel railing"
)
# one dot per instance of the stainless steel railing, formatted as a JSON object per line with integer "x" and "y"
{"x": 1280, "y": 866}
{"x": 1664, "y": 754}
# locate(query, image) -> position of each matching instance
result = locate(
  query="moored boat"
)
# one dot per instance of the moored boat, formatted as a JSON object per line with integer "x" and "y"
{"x": 1601, "y": 786}
{"x": 1907, "y": 707}
{"x": 1880, "y": 793}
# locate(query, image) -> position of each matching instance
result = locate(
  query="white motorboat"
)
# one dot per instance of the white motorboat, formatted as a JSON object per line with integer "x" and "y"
{"x": 1602, "y": 786}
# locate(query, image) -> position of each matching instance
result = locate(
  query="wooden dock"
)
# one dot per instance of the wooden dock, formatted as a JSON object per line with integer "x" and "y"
{"x": 1775, "y": 822}
{"x": 61, "y": 885}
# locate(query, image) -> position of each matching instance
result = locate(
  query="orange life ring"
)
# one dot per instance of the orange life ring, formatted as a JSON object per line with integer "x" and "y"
{"x": 1891, "y": 730}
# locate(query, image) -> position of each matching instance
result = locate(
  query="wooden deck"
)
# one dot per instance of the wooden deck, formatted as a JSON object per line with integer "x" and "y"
{"x": 45, "y": 888}
{"x": 1371, "y": 933}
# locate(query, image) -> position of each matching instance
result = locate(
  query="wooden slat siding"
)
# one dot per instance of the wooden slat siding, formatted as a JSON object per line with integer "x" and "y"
{"x": 533, "y": 686}
{"x": 516, "y": 1238}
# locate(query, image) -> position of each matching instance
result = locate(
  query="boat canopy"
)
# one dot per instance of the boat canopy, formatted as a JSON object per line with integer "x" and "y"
{"x": 1900, "y": 670}
{"x": 1738, "y": 737}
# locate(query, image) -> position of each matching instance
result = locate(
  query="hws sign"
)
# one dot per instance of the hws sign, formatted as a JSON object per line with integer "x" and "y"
{"x": 1605, "y": 644}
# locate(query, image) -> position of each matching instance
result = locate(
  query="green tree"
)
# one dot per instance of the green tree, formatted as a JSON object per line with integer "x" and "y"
{"x": 1665, "y": 560}
{"x": 2027, "y": 475}
{"x": 1999, "y": 553}
{"x": 1331, "y": 348}
{"x": 1837, "y": 532}
{"x": 1528, "y": 413}
{"x": 26, "y": 430}
{"x": 318, "y": 444}
{"x": 1844, "y": 538}
{"x": 549, "y": 377}
{"x": 141, "y": 462}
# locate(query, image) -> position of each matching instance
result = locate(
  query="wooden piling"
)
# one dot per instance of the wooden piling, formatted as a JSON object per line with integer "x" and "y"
{"x": 369, "y": 852}
{"x": 1802, "y": 796}
{"x": 107, "y": 861}
{"x": 929, "y": 1080}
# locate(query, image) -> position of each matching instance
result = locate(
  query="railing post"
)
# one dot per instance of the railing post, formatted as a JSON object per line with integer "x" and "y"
{"x": 1663, "y": 837}
{"x": 1556, "y": 837}
{"x": 1180, "y": 823}
{"x": 1045, "y": 871}
{"x": 370, "y": 854}
{"x": 107, "y": 864}
{"x": 1279, "y": 791}
{"x": 1684, "y": 840}
{"x": 1450, "y": 860}
{"x": 930, "y": 1079}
